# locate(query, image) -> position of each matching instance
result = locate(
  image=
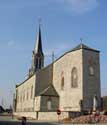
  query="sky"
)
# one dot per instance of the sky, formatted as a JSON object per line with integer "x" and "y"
{"x": 63, "y": 24}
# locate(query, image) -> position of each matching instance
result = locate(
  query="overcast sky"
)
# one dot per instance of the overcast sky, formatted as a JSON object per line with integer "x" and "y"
{"x": 64, "y": 22}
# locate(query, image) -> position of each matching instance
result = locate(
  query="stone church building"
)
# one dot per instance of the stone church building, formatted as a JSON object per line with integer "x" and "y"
{"x": 69, "y": 84}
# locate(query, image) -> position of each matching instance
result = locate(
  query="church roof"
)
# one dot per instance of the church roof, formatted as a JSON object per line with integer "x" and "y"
{"x": 49, "y": 91}
{"x": 78, "y": 47}
{"x": 82, "y": 46}
{"x": 38, "y": 46}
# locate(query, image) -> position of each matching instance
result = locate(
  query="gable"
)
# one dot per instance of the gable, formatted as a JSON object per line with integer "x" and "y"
{"x": 49, "y": 91}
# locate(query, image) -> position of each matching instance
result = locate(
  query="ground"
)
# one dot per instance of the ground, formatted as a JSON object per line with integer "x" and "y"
{"x": 7, "y": 120}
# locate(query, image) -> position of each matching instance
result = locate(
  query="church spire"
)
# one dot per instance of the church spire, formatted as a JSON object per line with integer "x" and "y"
{"x": 38, "y": 46}
{"x": 37, "y": 55}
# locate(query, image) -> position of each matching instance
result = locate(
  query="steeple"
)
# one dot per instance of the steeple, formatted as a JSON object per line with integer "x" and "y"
{"x": 38, "y": 46}
{"x": 37, "y": 55}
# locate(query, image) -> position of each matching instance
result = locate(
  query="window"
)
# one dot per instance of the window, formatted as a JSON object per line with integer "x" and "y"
{"x": 49, "y": 104}
{"x": 74, "y": 78}
{"x": 91, "y": 70}
{"x": 27, "y": 94}
{"x": 62, "y": 83}
{"x": 20, "y": 97}
{"x": 23, "y": 95}
{"x": 31, "y": 92}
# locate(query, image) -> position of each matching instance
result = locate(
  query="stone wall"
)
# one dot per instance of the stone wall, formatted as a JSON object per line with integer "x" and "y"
{"x": 91, "y": 82}
{"x": 42, "y": 115}
{"x": 25, "y": 95}
{"x": 69, "y": 97}
{"x": 52, "y": 116}
{"x": 26, "y": 114}
{"x": 54, "y": 104}
{"x": 37, "y": 104}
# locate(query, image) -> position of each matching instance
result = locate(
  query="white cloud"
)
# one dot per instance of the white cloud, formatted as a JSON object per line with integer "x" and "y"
{"x": 79, "y": 6}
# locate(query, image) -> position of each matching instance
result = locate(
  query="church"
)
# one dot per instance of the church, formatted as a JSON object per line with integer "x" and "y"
{"x": 69, "y": 84}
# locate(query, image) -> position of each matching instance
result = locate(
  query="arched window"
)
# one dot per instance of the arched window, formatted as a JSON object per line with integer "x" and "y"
{"x": 20, "y": 97}
{"x": 31, "y": 92}
{"x": 27, "y": 94}
{"x": 62, "y": 83}
{"x": 23, "y": 95}
{"x": 49, "y": 104}
{"x": 91, "y": 70}
{"x": 74, "y": 78}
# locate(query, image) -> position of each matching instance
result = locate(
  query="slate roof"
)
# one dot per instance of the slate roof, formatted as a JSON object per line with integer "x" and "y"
{"x": 78, "y": 47}
{"x": 49, "y": 91}
{"x": 38, "y": 46}
{"x": 82, "y": 46}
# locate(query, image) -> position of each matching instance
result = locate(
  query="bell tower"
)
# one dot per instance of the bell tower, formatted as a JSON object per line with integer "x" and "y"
{"x": 37, "y": 55}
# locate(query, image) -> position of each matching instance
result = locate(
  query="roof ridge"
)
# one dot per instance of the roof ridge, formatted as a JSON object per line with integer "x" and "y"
{"x": 82, "y": 46}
